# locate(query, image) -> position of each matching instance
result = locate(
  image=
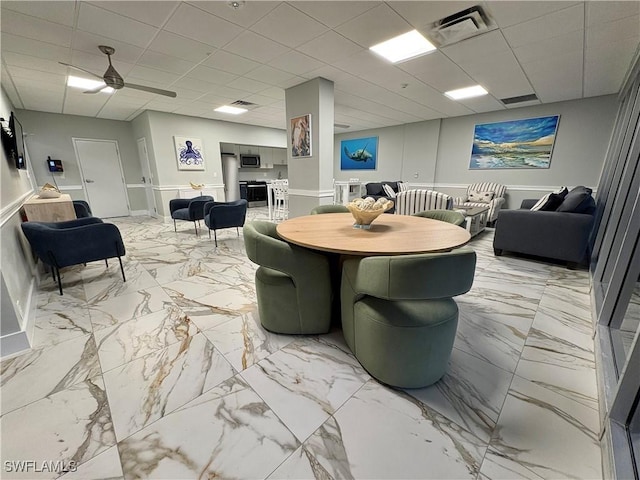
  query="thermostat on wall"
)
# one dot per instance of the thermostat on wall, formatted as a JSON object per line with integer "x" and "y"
{"x": 54, "y": 165}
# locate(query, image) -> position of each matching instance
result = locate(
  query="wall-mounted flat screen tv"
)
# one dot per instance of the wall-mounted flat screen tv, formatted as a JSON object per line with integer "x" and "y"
{"x": 13, "y": 142}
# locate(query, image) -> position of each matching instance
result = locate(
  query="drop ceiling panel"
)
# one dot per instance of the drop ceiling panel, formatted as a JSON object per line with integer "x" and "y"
{"x": 333, "y": 13}
{"x": 255, "y": 47}
{"x": 330, "y": 47}
{"x": 485, "y": 45}
{"x": 34, "y": 63}
{"x": 42, "y": 30}
{"x": 548, "y": 26}
{"x": 83, "y": 106}
{"x": 34, "y": 48}
{"x": 328, "y": 72}
{"x": 140, "y": 73}
{"x": 48, "y": 104}
{"x": 511, "y": 13}
{"x": 558, "y": 77}
{"x": 199, "y": 25}
{"x": 37, "y": 97}
{"x": 268, "y": 75}
{"x": 363, "y": 63}
{"x": 247, "y": 85}
{"x": 376, "y": 108}
{"x": 88, "y": 42}
{"x": 140, "y": 10}
{"x": 288, "y": 26}
{"x": 374, "y": 26}
{"x": 111, "y": 25}
{"x": 181, "y": 47}
{"x": 275, "y": 93}
{"x": 184, "y": 93}
{"x": 241, "y": 16}
{"x": 230, "y": 62}
{"x": 435, "y": 100}
{"x": 612, "y": 32}
{"x": 194, "y": 109}
{"x": 603, "y": 12}
{"x": 606, "y": 67}
{"x": 486, "y": 103}
{"x": 167, "y": 63}
{"x": 113, "y": 112}
{"x": 34, "y": 83}
{"x": 572, "y": 41}
{"x": 54, "y": 11}
{"x": 296, "y": 63}
{"x": 438, "y": 71}
{"x": 211, "y": 75}
{"x": 194, "y": 85}
{"x": 48, "y": 77}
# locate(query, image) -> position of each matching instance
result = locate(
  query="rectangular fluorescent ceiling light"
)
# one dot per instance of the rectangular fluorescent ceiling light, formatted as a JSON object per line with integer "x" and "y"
{"x": 408, "y": 45}
{"x": 86, "y": 84}
{"x": 229, "y": 109}
{"x": 469, "y": 92}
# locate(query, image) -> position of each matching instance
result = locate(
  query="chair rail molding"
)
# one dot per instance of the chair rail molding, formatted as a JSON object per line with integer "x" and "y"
{"x": 10, "y": 210}
{"x": 311, "y": 193}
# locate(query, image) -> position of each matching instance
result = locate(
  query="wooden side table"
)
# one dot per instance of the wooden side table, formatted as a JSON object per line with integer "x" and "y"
{"x": 50, "y": 209}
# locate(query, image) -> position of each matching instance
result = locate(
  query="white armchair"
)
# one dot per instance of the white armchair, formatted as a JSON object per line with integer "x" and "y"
{"x": 477, "y": 191}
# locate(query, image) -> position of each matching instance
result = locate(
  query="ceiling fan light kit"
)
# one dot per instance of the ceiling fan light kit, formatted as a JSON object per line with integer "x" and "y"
{"x": 114, "y": 80}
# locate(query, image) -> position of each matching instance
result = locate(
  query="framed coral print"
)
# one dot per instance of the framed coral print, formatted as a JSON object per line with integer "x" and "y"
{"x": 526, "y": 143}
{"x": 301, "y": 136}
{"x": 189, "y": 153}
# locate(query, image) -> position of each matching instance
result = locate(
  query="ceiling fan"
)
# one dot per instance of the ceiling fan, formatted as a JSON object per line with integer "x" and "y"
{"x": 114, "y": 80}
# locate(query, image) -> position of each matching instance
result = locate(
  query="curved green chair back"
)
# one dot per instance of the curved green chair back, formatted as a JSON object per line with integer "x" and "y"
{"x": 320, "y": 209}
{"x": 449, "y": 216}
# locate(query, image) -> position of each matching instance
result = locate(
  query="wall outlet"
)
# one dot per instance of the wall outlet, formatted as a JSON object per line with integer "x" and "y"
{"x": 415, "y": 175}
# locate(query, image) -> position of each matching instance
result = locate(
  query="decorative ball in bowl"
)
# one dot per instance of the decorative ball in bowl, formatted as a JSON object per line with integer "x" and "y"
{"x": 366, "y": 210}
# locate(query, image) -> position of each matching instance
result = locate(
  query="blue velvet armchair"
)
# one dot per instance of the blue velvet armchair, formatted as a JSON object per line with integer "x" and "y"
{"x": 82, "y": 209}
{"x": 189, "y": 209}
{"x": 62, "y": 244}
{"x": 219, "y": 215}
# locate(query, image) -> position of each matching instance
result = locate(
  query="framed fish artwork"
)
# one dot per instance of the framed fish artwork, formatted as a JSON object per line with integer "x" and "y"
{"x": 359, "y": 153}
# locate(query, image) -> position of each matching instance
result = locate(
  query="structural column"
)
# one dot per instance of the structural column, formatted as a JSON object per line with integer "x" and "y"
{"x": 310, "y": 176}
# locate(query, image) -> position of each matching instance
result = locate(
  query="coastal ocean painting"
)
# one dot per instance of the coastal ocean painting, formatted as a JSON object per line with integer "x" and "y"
{"x": 526, "y": 143}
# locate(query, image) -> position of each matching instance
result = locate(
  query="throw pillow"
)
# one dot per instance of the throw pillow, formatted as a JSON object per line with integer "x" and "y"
{"x": 388, "y": 191}
{"x": 549, "y": 203}
{"x": 577, "y": 200}
{"x": 480, "y": 197}
{"x": 374, "y": 188}
{"x": 403, "y": 186}
{"x": 562, "y": 191}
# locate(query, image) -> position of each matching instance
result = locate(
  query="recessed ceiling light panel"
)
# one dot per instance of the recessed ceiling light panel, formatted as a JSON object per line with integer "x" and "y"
{"x": 469, "y": 92}
{"x": 403, "y": 47}
{"x": 229, "y": 109}
{"x": 86, "y": 84}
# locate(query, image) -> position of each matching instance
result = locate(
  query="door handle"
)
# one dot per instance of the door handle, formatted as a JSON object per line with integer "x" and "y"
{"x": 89, "y": 181}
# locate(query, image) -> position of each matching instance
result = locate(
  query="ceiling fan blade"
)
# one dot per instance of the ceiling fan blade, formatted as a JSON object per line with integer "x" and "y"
{"x": 81, "y": 69}
{"x": 166, "y": 93}
{"x": 95, "y": 89}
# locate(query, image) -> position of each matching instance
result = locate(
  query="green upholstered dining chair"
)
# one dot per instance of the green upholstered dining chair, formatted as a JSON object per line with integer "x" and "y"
{"x": 398, "y": 317}
{"x": 449, "y": 216}
{"x": 329, "y": 209}
{"x": 293, "y": 284}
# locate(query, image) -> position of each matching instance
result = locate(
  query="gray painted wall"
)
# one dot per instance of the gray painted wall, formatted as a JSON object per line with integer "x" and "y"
{"x": 439, "y": 150}
{"x": 15, "y": 262}
{"x": 50, "y": 134}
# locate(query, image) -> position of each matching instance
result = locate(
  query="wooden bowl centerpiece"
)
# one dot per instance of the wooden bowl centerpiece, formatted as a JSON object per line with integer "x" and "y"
{"x": 366, "y": 210}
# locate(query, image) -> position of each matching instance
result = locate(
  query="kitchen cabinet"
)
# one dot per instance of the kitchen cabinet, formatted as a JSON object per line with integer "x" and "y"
{"x": 266, "y": 157}
{"x": 279, "y": 156}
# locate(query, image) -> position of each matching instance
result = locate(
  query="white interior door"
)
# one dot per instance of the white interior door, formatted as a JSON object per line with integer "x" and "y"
{"x": 147, "y": 177}
{"x": 103, "y": 178}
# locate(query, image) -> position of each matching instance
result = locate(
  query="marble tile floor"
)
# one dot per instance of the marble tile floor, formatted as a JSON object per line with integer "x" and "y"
{"x": 171, "y": 376}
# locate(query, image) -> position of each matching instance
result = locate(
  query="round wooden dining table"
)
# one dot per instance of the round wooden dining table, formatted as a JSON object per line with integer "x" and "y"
{"x": 389, "y": 234}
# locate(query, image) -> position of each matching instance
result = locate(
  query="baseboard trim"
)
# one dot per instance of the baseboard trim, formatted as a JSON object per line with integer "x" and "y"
{"x": 18, "y": 342}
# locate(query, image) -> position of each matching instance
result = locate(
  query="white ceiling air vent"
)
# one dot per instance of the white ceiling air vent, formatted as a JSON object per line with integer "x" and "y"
{"x": 243, "y": 103}
{"x": 460, "y": 26}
